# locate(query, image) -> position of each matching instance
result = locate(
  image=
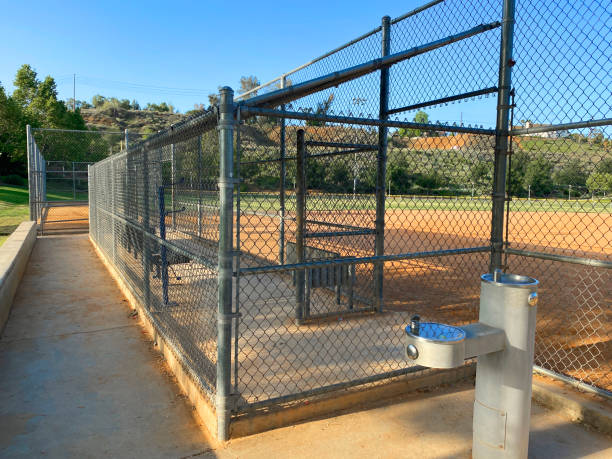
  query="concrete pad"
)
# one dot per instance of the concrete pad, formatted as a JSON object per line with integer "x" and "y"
{"x": 78, "y": 377}
{"x": 435, "y": 424}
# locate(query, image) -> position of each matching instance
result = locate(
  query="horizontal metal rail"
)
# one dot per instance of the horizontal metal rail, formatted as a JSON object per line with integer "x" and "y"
{"x": 562, "y": 127}
{"x": 67, "y": 220}
{"x": 270, "y": 160}
{"x": 443, "y": 100}
{"x": 316, "y": 143}
{"x": 562, "y": 258}
{"x": 253, "y": 111}
{"x": 347, "y": 313}
{"x": 181, "y": 131}
{"x": 342, "y": 152}
{"x": 316, "y": 155}
{"x": 335, "y": 387}
{"x": 573, "y": 382}
{"x": 416, "y": 11}
{"x": 77, "y": 130}
{"x": 334, "y": 225}
{"x": 361, "y": 260}
{"x": 339, "y": 233}
{"x": 335, "y": 50}
{"x": 66, "y": 203}
{"x": 297, "y": 91}
{"x": 161, "y": 241}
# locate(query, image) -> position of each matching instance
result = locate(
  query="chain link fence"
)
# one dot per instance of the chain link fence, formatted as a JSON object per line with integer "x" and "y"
{"x": 57, "y": 173}
{"x": 282, "y": 239}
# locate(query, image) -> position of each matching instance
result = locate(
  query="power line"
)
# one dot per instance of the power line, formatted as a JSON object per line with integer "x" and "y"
{"x": 98, "y": 82}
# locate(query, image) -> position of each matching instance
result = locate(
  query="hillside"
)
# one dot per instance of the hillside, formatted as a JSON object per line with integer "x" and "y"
{"x": 144, "y": 121}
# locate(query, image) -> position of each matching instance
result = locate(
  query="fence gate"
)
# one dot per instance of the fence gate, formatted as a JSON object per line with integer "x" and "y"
{"x": 332, "y": 225}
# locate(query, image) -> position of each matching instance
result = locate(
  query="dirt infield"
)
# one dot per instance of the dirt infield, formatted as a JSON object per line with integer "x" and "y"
{"x": 65, "y": 218}
{"x": 574, "y": 334}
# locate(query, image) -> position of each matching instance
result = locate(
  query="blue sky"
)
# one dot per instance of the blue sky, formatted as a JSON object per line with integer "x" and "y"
{"x": 180, "y": 51}
{"x": 179, "y": 44}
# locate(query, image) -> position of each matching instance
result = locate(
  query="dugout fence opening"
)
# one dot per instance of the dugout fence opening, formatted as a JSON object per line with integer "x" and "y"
{"x": 58, "y": 161}
{"x": 262, "y": 242}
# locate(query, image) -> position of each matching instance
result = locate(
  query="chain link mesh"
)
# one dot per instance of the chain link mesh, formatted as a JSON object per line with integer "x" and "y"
{"x": 58, "y": 165}
{"x": 322, "y": 284}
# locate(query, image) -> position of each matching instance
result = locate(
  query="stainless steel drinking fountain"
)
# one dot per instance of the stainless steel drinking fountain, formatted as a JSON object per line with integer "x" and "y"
{"x": 503, "y": 341}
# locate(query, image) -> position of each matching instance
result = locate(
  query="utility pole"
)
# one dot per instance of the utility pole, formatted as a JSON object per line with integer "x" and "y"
{"x": 74, "y": 92}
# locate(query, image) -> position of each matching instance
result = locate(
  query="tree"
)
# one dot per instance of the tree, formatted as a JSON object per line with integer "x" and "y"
{"x": 135, "y": 105}
{"x": 605, "y": 166}
{"x": 247, "y": 83}
{"x": 572, "y": 173}
{"x": 98, "y": 100}
{"x": 599, "y": 181}
{"x": 213, "y": 99}
{"x": 516, "y": 175}
{"x": 420, "y": 117}
{"x": 12, "y": 141}
{"x": 33, "y": 102}
{"x": 26, "y": 85}
{"x": 322, "y": 109}
{"x": 538, "y": 175}
{"x": 481, "y": 173}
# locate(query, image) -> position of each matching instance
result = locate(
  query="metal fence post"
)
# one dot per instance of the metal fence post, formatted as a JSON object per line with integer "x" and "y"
{"x": 43, "y": 185}
{"x": 90, "y": 198}
{"x": 74, "y": 182}
{"x": 381, "y": 173}
{"x": 501, "y": 135}
{"x": 200, "y": 170}
{"x": 173, "y": 184}
{"x": 30, "y": 181}
{"x": 146, "y": 229}
{"x": 300, "y": 195}
{"x": 283, "y": 177}
{"x": 225, "y": 263}
{"x": 126, "y": 135}
{"x": 113, "y": 210}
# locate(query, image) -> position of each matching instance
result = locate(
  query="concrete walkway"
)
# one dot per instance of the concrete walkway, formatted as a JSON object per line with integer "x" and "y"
{"x": 78, "y": 378}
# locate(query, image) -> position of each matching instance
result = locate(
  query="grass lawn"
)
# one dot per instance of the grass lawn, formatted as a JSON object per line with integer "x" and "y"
{"x": 14, "y": 209}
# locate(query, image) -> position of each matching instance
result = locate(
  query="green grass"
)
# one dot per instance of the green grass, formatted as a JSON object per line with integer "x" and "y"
{"x": 269, "y": 202}
{"x": 14, "y": 209}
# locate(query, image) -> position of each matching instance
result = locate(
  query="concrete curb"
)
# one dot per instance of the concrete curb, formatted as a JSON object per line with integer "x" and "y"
{"x": 570, "y": 403}
{"x": 14, "y": 256}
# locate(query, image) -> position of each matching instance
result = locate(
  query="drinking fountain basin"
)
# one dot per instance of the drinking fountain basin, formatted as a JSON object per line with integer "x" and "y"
{"x": 437, "y": 345}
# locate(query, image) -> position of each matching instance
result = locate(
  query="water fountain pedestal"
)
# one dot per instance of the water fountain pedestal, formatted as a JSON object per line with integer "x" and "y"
{"x": 503, "y": 342}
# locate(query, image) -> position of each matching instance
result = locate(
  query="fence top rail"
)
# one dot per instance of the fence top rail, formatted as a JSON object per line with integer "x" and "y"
{"x": 77, "y": 131}
{"x": 335, "y": 50}
{"x": 297, "y": 91}
{"x": 187, "y": 128}
{"x": 563, "y": 127}
{"x": 253, "y": 111}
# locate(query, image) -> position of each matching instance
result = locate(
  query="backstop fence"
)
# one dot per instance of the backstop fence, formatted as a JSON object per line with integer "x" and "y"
{"x": 282, "y": 239}
{"x": 57, "y": 173}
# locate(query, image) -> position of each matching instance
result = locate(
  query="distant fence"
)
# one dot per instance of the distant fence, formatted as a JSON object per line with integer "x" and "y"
{"x": 260, "y": 238}
{"x": 57, "y": 173}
